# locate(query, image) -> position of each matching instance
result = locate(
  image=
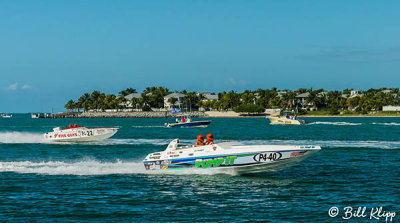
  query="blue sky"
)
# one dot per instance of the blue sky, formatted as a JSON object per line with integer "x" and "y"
{"x": 53, "y": 51}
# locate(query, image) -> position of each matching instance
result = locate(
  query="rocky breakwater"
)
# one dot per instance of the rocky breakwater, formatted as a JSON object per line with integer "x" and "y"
{"x": 122, "y": 114}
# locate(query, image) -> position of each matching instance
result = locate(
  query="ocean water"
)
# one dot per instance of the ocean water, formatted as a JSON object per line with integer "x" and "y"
{"x": 359, "y": 166}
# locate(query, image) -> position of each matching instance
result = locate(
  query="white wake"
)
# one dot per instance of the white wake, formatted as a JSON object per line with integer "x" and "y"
{"x": 387, "y": 123}
{"x": 89, "y": 167}
{"x": 94, "y": 167}
{"x": 334, "y": 123}
{"x": 21, "y": 137}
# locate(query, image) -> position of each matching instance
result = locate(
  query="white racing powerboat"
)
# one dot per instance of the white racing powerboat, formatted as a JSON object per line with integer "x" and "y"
{"x": 228, "y": 158}
{"x": 79, "y": 134}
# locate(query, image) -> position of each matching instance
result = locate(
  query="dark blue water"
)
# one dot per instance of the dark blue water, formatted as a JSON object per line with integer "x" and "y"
{"x": 106, "y": 181}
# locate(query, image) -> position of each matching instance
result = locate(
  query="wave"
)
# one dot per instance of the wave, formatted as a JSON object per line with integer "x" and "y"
{"x": 92, "y": 167}
{"x": 88, "y": 167}
{"x": 21, "y": 137}
{"x": 323, "y": 143}
{"x": 147, "y": 126}
{"x": 334, "y": 123}
{"x": 28, "y": 137}
{"x": 335, "y": 143}
{"x": 387, "y": 123}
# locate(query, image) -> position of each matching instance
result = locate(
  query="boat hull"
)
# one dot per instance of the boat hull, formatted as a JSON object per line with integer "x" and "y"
{"x": 189, "y": 124}
{"x": 252, "y": 162}
{"x": 285, "y": 121}
{"x": 81, "y": 135}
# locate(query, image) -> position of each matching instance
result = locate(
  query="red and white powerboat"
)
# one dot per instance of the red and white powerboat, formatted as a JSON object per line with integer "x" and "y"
{"x": 79, "y": 134}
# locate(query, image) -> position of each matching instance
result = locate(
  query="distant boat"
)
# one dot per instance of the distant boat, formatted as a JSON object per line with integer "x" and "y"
{"x": 37, "y": 115}
{"x": 6, "y": 116}
{"x": 187, "y": 122}
{"x": 288, "y": 118}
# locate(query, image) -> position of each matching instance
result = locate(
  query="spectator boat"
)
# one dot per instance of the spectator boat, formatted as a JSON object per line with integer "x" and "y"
{"x": 186, "y": 121}
{"x": 6, "y": 116}
{"x": 230, "y": 157}
{"x": 288, "y": 118}
{"x": 79, "y": 134}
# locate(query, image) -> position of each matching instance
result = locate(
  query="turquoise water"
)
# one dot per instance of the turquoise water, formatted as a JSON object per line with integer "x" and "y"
{"x": 359, "y": 165}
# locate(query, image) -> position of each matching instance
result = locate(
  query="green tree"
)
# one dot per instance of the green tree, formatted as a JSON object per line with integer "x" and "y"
{"x": 172, "y": 101}
{"x": 249, "y": 108}
{"x": 70, "y": 105}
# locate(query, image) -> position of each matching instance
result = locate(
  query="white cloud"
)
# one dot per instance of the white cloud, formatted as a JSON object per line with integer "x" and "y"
{"x": 26, "y": 87}
{"x": 15, "y": 86}
{"x": 12, "y": 87}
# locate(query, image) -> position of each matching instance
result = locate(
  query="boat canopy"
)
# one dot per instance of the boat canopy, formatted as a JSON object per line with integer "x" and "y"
{"x": 173, "y": 145}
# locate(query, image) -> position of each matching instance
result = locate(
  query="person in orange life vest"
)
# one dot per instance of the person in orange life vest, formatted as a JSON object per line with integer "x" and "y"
{"x": 200, "y": 140}
{"x": 75, "y": 125}
{"x": 210, "y": 139}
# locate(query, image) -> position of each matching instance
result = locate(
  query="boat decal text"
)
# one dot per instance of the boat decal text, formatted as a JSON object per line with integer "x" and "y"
{"x": 216, "y": 162}
{"x": 265, "y": 157}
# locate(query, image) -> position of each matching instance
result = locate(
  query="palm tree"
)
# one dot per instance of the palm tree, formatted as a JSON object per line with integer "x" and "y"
{"x": 172, "y": 101}
{"x": 94, "y": 102}
{"x": 84, "y": 101}
{"x": 70, "y": 105}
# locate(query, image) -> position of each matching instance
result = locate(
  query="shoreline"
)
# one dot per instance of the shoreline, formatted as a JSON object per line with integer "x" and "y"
{"x": 196, "y": 114}
{"x": 349, "y": 116}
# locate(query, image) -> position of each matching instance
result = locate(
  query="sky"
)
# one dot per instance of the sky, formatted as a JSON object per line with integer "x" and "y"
{"x": 53, "y": 51}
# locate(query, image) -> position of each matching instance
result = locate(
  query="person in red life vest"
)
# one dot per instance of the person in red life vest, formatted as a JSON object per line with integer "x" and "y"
{"x": 69, "y": 126}
{"x": 200, "y": 140}
{"x": 183, "y": 119}
{"x": 210, "y": 139}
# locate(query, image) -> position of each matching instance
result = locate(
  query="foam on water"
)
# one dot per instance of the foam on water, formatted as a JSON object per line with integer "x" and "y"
{"x": 323, "y": 143}
{"x": 334, "y": 123}
{"x": 334, "y": 143}
{"x": 21, "y": 137}
{"x": 88, "y": 167}
{"x": 26, "y": 137}
{"x": 93, "y": 167}
{"x": 385, "y": 123}
{"x": 148, "y": 126}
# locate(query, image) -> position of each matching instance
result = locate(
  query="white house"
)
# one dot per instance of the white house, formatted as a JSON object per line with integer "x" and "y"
{"x": 301, "y": 99}
{"x": 129, "y": 97}
{"x": 281, "y": 94}
{"x": 355, "y": 93}
{"x": 390, "y": 108}
{"x": 178, "y": 103}
{"x": 208, "y": 96}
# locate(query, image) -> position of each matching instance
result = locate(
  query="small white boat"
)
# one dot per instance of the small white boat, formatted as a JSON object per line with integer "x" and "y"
{"x": 79, "y": 134}
{"x": 35, "y": 115}
{"x": 231, "y": 158}
{"x": 187, "y": 122}
{"x": 6, "y": 116}
{"x": 287, "y": 119}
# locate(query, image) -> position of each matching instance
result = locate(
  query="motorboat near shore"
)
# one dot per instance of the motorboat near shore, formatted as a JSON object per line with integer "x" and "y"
{"x": 288, "y": 118}
{"x": 230, "y": 158}
{"x": 186, "y": 121}
{"x": 6, "y": 116}
{"x": 79, "y": 134}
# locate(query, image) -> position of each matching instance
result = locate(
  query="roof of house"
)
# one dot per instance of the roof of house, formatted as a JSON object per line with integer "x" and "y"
{"x": 175, "y": 95}
{"x": 133, "y": 95}
{"x": 211, "y": 96}
{"x": 304, "y": 95}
